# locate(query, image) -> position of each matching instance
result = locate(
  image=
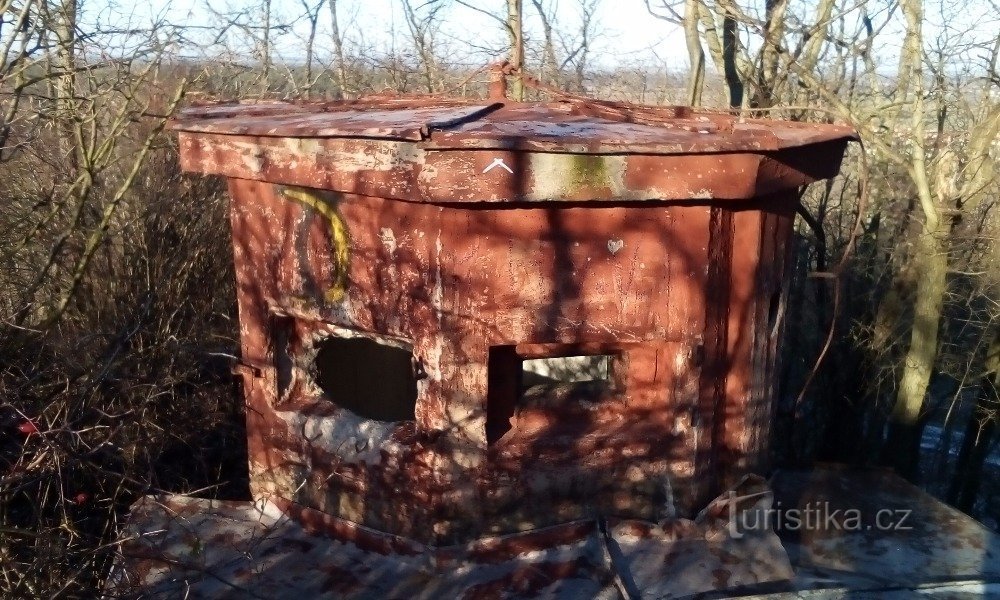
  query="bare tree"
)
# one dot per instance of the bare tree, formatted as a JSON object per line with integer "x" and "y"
{"x": 577, "y": 46}
{"x": 311, "y": 13}
{"x": 512, "y": 23}
{"x": 546, "y": 16}
{"x": 422, "y": 23}
{"x": 265, "y": 47}
{"x": 83, "y": 106}
{"x": 92, "y": 127}
{"x": 980, "y": 431}
{"x": 686, "y": 13}
{"x": 339, "y": 63}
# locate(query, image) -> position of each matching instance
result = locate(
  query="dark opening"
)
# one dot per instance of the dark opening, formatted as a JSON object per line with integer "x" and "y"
{"x": 283, "y": 329}
{"x": 543, "y": 375}
{"x": 373, "y": 380}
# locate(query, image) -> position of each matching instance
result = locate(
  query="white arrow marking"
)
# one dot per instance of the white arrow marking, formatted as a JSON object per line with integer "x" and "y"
{"x": 498, "y": 162}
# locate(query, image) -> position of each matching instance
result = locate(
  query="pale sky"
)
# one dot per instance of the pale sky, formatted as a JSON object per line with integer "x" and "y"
{"x": 627, "y": 35}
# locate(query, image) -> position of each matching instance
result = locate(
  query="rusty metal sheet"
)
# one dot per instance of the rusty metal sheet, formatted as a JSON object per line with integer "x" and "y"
{"x": 458, "y": 284}
{"x": 544, "y": 129}
{"x": 188, "y": 547}
{"x": 403, "y": 171}
{"x": 180, "y": 546}
{"x": 680, "y": 559}
{"x": 369, "y": 121}
{"x": 959, "y": 590}
{"x": 872, "y": 529}
{"x": 565, "y": 127}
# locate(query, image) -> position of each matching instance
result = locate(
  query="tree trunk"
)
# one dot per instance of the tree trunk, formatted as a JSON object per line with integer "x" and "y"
{"x": 549, "y": 66}
{"x": 696, "y": 79}
{"x": 313, "y": 17}
{"x": 265, "y": 50}
{"x": 943, "y": 458}
{"x": 730, "y": 48}
{"x": 515, "y": 31}
{"x": 774, "y": 26}
{"x": 65, "y": 81}
{"x": 930, "y": 262}
{"x": 340, "y": 67}
{"x": 931, "y": 268}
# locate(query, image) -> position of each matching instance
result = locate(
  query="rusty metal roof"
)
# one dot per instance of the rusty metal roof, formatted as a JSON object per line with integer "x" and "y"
{"x": 373, "y": 119}
{"x": 429, "y": 149}
{"x": 575, "y": 126}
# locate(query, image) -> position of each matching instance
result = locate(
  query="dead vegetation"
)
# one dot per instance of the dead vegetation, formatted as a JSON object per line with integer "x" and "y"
{"x": 117, "y": 313}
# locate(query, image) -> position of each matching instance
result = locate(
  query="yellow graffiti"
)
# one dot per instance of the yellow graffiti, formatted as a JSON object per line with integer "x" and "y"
{"x": 338, "y": 239}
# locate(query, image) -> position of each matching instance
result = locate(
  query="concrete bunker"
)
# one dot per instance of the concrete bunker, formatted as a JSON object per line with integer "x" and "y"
{"x": 474, "y": 318}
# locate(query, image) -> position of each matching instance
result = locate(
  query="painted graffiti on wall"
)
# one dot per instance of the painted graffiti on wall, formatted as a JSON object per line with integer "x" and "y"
{"x": 340, "y": 250}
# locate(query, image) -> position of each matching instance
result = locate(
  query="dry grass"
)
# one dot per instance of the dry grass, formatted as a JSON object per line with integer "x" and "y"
{"x": 128, "y": 394}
